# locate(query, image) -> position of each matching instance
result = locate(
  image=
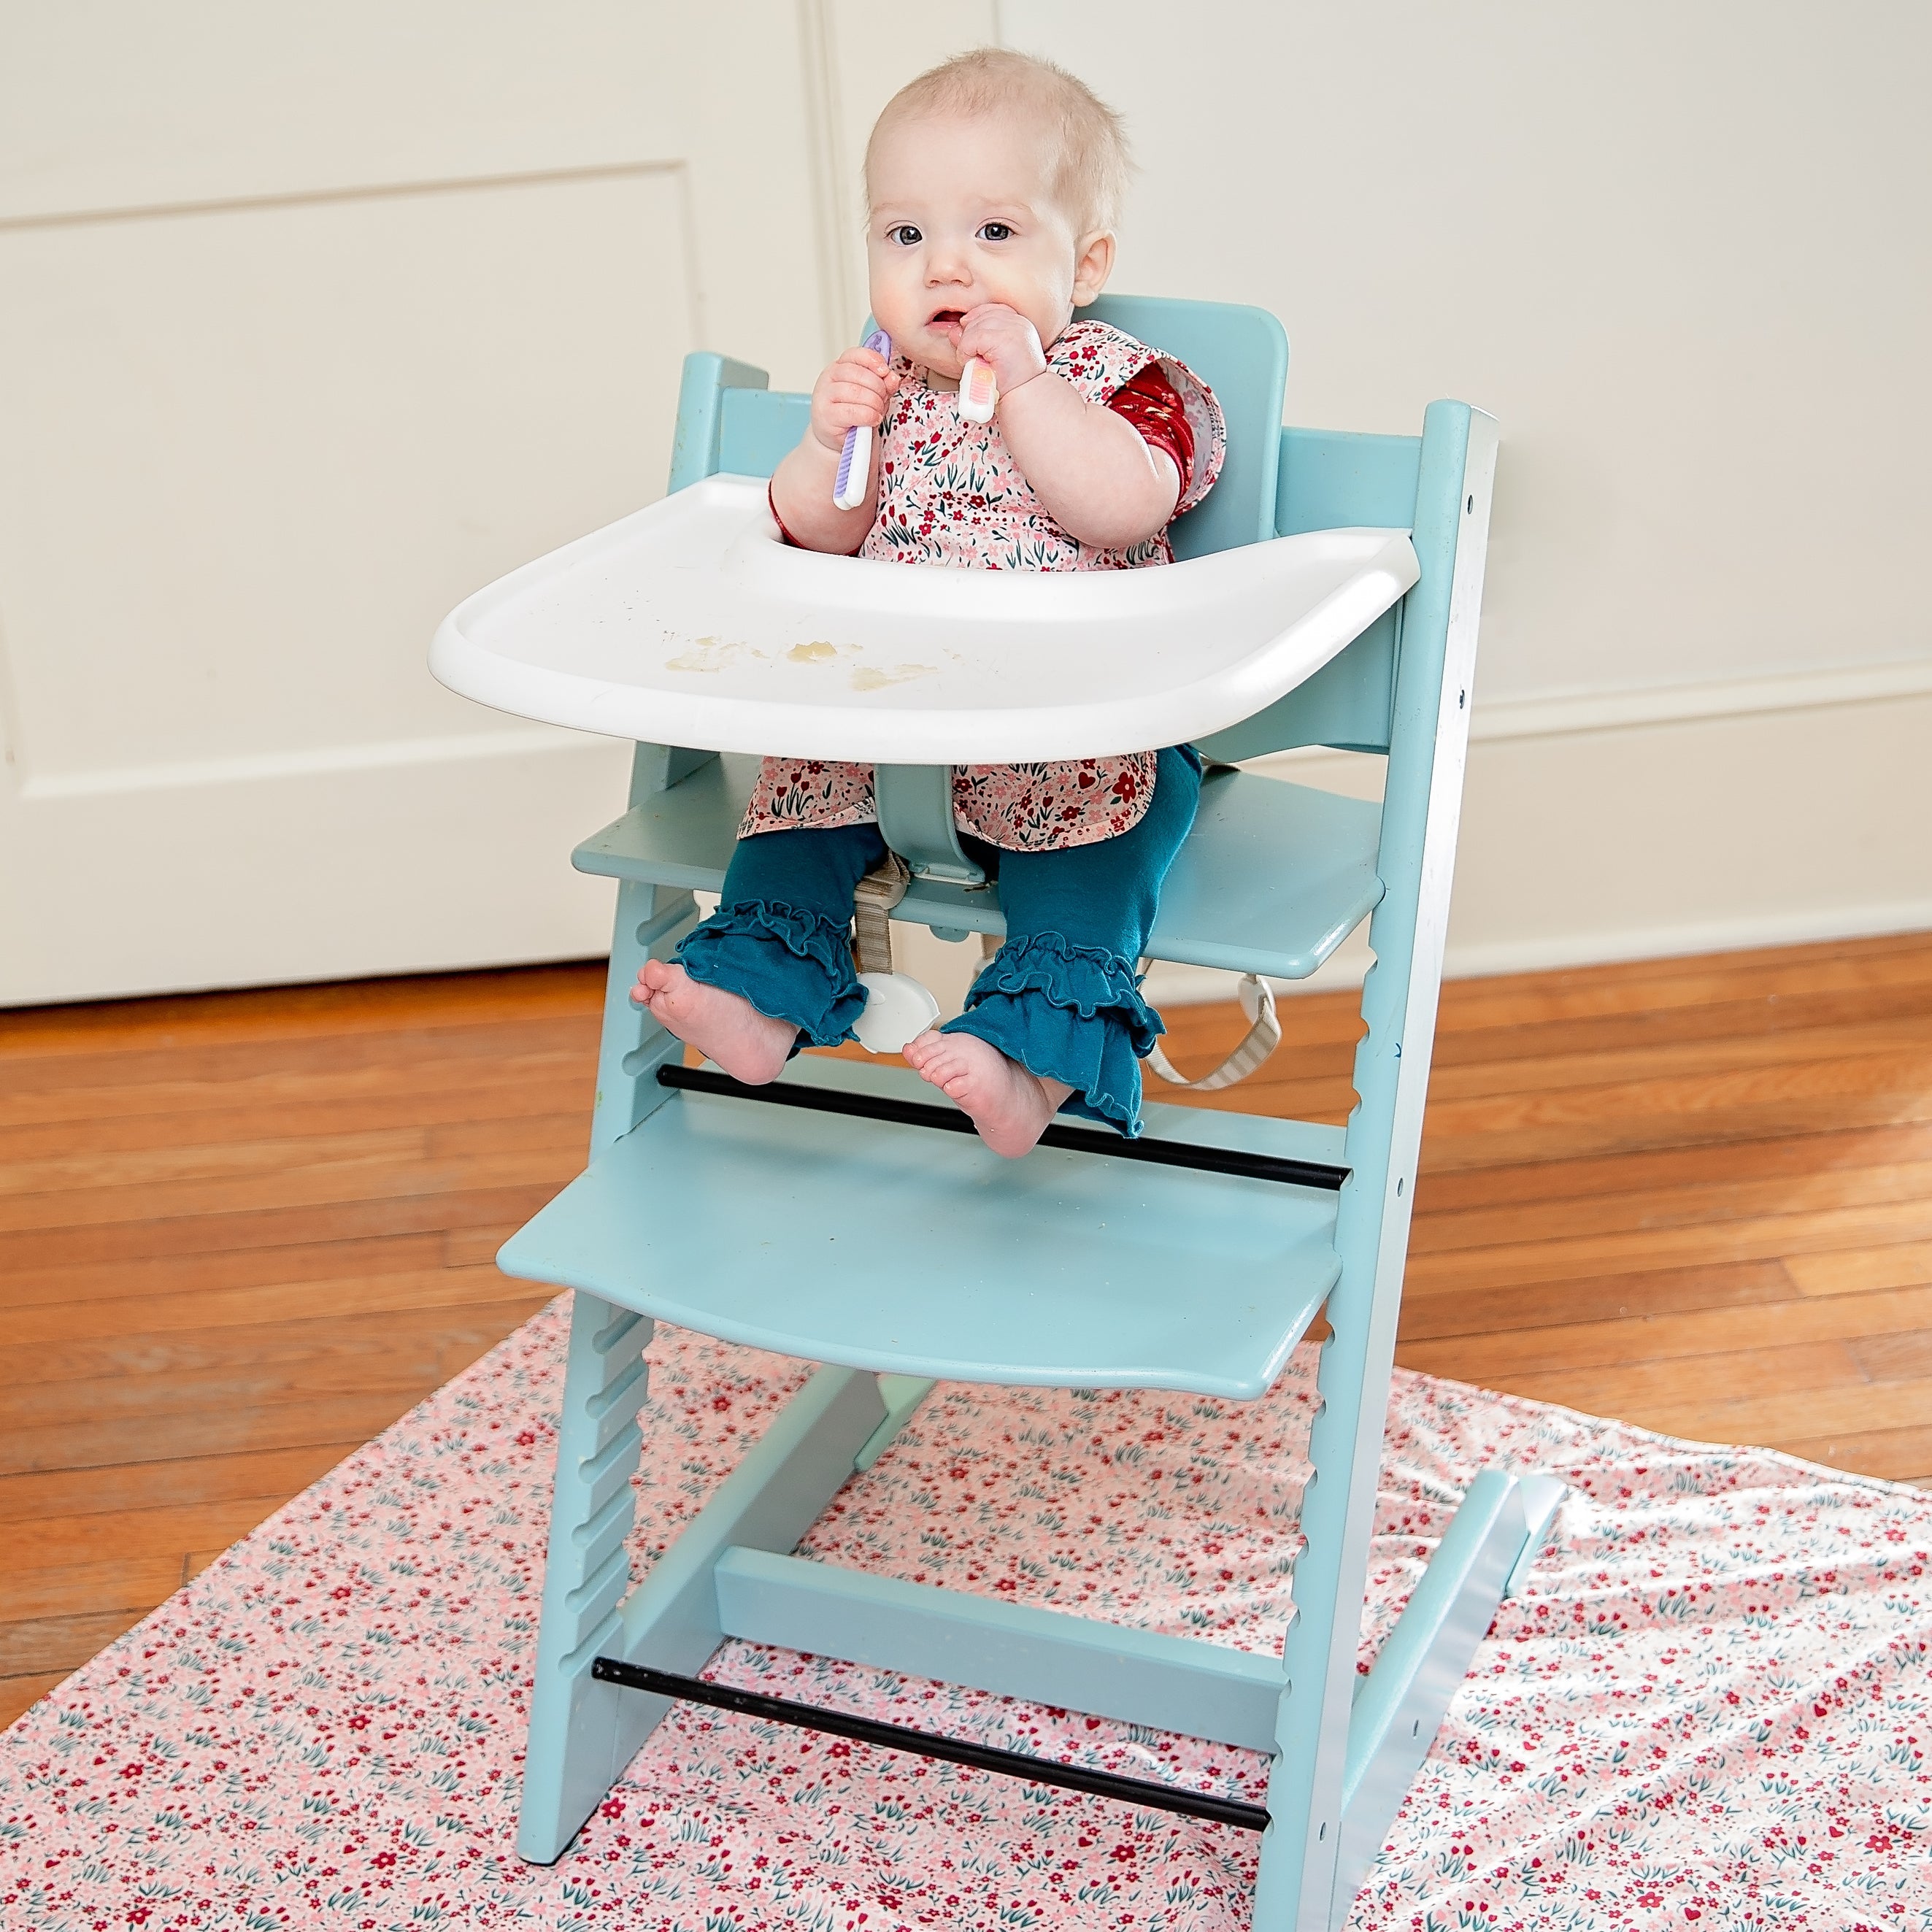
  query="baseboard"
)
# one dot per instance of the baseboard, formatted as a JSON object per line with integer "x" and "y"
{"x": 1565, "y": 713}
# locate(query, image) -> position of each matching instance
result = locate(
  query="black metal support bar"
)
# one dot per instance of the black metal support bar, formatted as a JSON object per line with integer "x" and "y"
{"x": 949, "y": 1120}
{"x": 897, "y": 1737}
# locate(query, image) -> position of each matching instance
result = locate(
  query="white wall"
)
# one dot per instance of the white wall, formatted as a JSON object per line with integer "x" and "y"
{"x": 1683, "y": 253}
{"x": 312, "y": 319}
{"x": 1680, "y": 251}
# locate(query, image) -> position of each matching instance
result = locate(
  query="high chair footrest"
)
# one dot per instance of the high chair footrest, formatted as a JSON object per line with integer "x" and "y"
{"x": 1272, "y": 879}
{"x": 876, "y": 1246}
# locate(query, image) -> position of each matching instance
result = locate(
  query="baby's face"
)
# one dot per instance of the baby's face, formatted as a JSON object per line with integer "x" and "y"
{"x": 963, "y": 213}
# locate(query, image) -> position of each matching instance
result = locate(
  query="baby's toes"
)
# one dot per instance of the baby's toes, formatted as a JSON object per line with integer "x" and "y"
{"x": 949, "y": 1070}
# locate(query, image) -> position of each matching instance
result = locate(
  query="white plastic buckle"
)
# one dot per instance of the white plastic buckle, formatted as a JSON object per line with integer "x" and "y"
{"x": 898, "y": 1008}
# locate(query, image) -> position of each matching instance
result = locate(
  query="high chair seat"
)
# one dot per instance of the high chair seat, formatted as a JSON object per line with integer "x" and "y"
{"x": 690, "y": 622}
{"x": 1059, "y": 1271}
{"x": 1272, "y": 878}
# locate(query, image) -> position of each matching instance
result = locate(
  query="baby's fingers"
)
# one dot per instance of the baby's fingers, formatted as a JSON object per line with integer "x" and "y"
{"x": 981, "y": 312}
{"x": 854, "y": 396}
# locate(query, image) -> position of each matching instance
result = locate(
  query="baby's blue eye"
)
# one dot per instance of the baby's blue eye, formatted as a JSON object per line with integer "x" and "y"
{"x": 905, "y": 235}
{"x": 995, "y": 231}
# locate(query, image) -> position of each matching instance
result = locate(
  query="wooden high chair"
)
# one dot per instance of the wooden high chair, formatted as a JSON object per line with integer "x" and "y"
{"x": 823, "y": 1217}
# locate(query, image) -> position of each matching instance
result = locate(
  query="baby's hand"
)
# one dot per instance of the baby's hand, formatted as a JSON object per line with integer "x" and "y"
{"x": 853, "y": 390}
{"x": 1004, "y": 338}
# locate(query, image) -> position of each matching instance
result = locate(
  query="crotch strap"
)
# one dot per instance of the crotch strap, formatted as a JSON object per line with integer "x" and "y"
{"x": 1263, "y": 1037}
{"x": 873, "y": 900}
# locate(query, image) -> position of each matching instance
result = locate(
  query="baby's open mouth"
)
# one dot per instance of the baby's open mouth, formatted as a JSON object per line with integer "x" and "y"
{"x": 947, "y": 318}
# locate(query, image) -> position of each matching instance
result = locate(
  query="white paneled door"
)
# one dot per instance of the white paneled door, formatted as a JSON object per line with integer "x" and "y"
{"x": 313, "y": 319}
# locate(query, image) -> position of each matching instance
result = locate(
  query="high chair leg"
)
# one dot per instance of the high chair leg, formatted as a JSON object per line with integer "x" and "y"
{"x": 1304, "y": 1884}
{"x": 651, "y": 921}
{"x": 582, "y": 1733}
{"x": 584, "y": 1730}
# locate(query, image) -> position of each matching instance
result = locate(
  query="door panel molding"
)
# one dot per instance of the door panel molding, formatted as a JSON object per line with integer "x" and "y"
{"x": 275, "y": 402}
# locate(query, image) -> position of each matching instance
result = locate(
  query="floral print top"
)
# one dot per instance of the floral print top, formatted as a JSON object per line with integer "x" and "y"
{"x": 950, "y": 493}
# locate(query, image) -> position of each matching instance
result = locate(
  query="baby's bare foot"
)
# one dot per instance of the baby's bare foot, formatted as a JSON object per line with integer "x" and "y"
{"x": 750, "y": 1045}
{"x": 1009, "y": 1106}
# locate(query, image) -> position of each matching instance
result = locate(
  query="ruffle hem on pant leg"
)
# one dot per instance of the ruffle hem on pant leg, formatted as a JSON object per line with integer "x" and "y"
{"x": 791, "y": 965}
{"x": 1068, "y": 1012}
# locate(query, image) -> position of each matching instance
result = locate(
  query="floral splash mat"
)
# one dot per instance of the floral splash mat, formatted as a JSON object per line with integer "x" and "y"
{"x": 1712, "y": 1708}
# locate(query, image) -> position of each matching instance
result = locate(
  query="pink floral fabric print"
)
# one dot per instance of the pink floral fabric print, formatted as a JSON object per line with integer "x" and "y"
{"x": 949, "y": 493}
{"x": 1710, "y": 1708}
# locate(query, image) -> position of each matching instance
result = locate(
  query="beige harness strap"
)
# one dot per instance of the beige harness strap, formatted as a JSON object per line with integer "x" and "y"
{"x": 1263, "y": 1037}
{"x": 873, "y": 900}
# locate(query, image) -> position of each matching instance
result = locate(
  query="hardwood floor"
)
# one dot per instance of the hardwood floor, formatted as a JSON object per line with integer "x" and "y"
{"x": 239, "y": 1234}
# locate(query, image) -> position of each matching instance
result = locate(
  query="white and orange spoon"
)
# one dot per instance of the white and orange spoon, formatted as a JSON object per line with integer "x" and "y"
{"x": 979, "y": 391}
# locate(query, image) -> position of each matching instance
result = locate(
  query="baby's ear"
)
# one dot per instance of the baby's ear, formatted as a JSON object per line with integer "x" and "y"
{"x": 1092, "y": 263}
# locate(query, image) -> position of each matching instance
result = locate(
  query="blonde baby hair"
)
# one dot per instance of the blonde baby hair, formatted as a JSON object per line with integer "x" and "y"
{"x": 1091, "y": 169}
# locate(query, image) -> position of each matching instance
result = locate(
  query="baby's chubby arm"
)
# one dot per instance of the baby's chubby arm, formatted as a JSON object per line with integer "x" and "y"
{"x": 854, "y": 390}
{"x": 1092, "y": 472}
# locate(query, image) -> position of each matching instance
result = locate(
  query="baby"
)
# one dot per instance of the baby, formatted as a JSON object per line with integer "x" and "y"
{"x": 993, "y": 183}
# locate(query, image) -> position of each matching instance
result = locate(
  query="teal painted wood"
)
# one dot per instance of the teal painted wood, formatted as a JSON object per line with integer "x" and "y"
{"x": 582, "y": 1733}
{"x": 1105, "y": 1670}
{"x": 708, "y": 381}
{"x": 1297, "y": 1886}
{"x": 1273, "y": 878}
{"x": 768, "y": 1502}
{"x": 1400, "y": 1705}
{"x": 1332, "y": 479}
{"x": 915, "y": 806}
{"x": 1542, "y": 1501}
{"x": 652, "y": 917}
{"x": 760, "y": 427}
{"x": 1346, "y": 704}
{"x": 1058, "y": 1271}
{"x": 901, "y": 1395}
{"x": 1241, "y": 354}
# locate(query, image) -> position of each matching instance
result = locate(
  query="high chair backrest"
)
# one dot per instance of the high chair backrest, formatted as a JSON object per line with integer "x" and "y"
{"x": 1241, "y": 354}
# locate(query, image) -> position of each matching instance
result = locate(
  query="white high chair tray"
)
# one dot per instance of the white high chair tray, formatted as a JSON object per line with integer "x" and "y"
{"x": 691, "y": 623}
